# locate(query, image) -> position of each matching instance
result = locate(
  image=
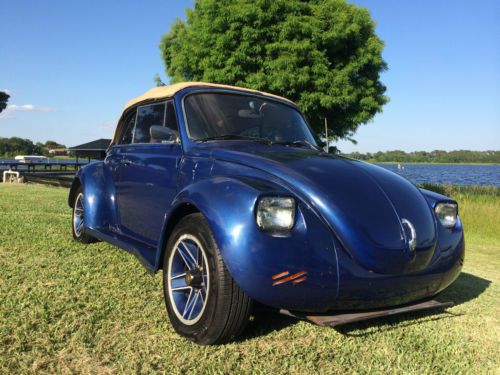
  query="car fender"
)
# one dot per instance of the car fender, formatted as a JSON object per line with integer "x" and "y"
{"x": 254, "y": 257}
{"x": 99, "y": 196}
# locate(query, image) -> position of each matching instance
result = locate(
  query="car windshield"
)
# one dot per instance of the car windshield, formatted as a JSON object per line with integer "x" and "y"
{"x": 225, "y": 116}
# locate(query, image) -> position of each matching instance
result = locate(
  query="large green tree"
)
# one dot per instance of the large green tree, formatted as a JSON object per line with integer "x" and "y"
{"x": 4, "y": 97}
{"x": 323, "y": 54}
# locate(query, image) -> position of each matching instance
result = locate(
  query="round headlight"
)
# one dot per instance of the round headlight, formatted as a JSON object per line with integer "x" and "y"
{"x": 276, "y": 213}
{"x": 447, "y": 214}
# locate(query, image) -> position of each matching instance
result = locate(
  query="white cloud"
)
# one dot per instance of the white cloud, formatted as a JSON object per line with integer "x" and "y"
{"x": 6, "y": 91}
{"x": 12, "y": 109}
{"x": 27, "y": 108}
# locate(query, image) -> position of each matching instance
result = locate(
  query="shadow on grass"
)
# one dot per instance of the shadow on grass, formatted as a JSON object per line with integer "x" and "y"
{"x": 265, "y": 321}
{"x": 467, "y": 287}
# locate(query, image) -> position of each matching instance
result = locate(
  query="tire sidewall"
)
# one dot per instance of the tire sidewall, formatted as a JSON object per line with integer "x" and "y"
{"x": 77, "y": 237}
{"x": 80, "y": 237}
{"x": 83, "y": 237}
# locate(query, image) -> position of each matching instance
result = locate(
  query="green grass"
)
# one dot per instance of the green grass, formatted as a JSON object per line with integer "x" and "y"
{"x": 374, "y": 161}
{"x": 462, "y": 190}
{"x": 72, "y": 308}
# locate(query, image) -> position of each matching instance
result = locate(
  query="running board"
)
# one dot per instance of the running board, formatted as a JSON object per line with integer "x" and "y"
{"x": 346, "y": 318}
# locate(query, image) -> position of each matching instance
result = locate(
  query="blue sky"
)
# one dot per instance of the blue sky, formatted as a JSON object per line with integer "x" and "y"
{"x": 71, "y": 66}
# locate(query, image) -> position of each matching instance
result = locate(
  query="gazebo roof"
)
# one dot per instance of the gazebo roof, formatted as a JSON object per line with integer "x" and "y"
{"x": 97, "y": 145}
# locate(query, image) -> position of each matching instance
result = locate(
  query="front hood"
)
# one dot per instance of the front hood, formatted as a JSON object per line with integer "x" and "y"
{"x": 366, "y": 206}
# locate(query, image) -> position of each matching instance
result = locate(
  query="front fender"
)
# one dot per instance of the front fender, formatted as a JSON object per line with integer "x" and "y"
{"x": 253, "y": 256}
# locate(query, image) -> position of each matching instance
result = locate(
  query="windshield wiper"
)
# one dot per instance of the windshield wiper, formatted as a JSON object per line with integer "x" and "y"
{"x": 228, "y": 137}
{"x": 300, "y": 143}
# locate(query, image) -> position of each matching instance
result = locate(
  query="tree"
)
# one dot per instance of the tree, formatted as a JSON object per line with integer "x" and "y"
{"x": 18, "y": 146}
{"x": 4, "y": 98}
{"x": 53, "y": 144}
{"x": 323, "y": 54}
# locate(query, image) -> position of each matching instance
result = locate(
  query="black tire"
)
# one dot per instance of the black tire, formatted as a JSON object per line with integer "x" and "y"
{"x": 226, "y": 309}
{"x": 77, "y": 228}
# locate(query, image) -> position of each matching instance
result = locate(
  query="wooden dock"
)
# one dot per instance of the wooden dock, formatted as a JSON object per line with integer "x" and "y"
{"x": 51, "y": 172}
{"x": 44, "y": 166}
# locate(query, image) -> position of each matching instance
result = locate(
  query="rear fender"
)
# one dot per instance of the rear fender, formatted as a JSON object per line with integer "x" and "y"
{"x": 99, "y": 196}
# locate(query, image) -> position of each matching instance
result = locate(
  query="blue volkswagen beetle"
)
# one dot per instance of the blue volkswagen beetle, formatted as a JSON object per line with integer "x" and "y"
{"x": 227, "y": 191}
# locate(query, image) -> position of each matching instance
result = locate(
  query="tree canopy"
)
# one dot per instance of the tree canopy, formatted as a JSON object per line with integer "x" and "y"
{"x": 18, "y": 146}
{"x": 10, "y": 147}
{"x": 322, "y": 54}
{"x": 4, "y": 98}
{"x": 51, "y": 145}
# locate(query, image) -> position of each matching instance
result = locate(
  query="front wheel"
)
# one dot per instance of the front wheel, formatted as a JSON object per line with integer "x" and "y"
{"x": 203, "y": 301}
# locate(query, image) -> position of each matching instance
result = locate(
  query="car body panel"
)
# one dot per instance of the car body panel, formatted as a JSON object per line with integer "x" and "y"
{"x": 350, "y": 196}
{"x": 146, "y": 183}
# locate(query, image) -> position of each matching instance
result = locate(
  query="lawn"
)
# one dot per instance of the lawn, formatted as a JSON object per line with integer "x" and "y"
{"x": 67, "y": 307}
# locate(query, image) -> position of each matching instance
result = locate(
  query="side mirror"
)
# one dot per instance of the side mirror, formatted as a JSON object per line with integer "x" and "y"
{"x": 161, "y": 134}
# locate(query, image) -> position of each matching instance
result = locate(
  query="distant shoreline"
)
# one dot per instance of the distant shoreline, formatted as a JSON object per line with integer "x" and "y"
{"x": 425, "y": 162}
{"x": 465, "y": 157}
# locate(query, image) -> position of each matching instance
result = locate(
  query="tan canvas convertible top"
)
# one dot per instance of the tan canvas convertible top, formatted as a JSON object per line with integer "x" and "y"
{"x": 166, "y": 92}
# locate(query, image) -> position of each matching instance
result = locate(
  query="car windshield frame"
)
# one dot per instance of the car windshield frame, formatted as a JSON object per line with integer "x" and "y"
{"x": 313, "y": 140}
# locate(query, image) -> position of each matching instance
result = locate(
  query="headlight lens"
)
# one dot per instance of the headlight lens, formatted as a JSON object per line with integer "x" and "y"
{"x": 447, "y": 214}
{"x": 276, "y": 213}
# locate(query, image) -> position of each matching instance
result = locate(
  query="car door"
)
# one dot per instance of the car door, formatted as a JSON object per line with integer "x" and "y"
{"x": 147, "y": 174}
{"x": 113, "y": 162}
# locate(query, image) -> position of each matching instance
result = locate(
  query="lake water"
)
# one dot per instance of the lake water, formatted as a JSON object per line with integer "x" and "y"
{"x": 452, "y": 174}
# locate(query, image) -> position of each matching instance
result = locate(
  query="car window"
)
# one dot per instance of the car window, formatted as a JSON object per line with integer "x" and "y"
{"x": 127, "y": 130}
{"x": 147, "y": 116}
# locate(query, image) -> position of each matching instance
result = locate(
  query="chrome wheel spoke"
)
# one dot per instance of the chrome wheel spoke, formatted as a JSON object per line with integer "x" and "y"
{"x": 193, "y": 305}
{"x": 181, "y": 288}
{"x": 186, "y": 256}
{"x": 189, "y": 303}
{"x": 191, "y": 258}
{"x": 178, "y": 276}
{"x": 202, "y": 297}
